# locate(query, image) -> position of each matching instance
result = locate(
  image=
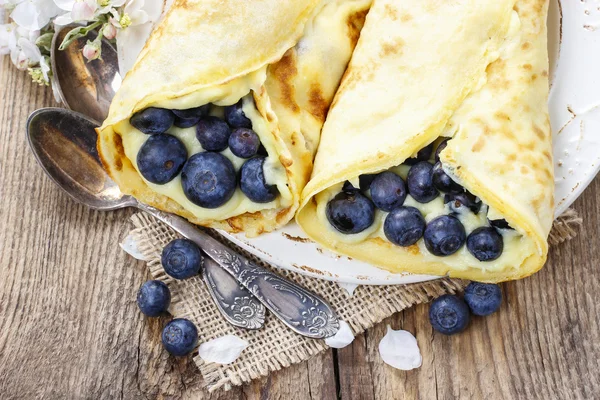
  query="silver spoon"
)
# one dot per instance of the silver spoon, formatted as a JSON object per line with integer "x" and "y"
{"x": 64, "y": 143}
{"x": 84, "y": 86}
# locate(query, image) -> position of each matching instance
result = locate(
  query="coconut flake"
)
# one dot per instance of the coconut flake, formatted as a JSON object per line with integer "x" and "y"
{"x": 399, "y": 349}
{"x": 342, "y": 338}
{"x": 130, "y": 247}
{"x": 223, "y": 350}
{"x": 349, "y": 287}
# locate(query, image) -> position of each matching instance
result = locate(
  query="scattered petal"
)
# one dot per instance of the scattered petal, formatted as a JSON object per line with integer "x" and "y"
{"x": 342, "y": 338}
{"x": 399, "y": 349}
{"x": 130, "y": 247}
{"x": 350, "y": 287}
{"x": 223, "y": 350}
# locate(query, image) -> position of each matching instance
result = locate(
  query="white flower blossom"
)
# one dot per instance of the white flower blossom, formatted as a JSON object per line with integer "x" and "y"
{"x": 34, "y": 14}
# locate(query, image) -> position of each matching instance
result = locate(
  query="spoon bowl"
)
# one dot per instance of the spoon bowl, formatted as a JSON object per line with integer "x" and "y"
{"x": 64, "y": 143}
{"x": 84, "y": 86}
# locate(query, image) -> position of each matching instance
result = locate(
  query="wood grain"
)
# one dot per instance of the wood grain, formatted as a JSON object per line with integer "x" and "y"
{"x": 69, "y": 327}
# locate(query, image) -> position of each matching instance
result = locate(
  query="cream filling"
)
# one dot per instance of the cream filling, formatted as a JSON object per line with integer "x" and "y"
{"x": 224, "y": 95}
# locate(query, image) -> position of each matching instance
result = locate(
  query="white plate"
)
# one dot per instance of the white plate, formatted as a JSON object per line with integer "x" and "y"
{"x": 575, "y": 119}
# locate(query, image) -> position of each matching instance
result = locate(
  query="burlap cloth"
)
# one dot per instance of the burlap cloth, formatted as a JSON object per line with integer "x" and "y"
{"x": 275, "y": 346}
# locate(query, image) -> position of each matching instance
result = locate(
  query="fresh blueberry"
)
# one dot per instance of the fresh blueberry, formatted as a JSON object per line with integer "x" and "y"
{"x": 196, "y": 112}
{"x": 404, "y": 226}
{"x": 449, "y": 314}
{"x": 388, "y": 191}
{"x": 253, "y": 184}
{"x": 208, "y": 179}
{"x": 483, "y": 298}
{"x": 160, "y": 158}
{"x": 350, "y": 212}
{"x": 180, "y": 337}
{"x": 423, "y": 155}
{"x": 244, "y": 142}
{"x": 213, "y": 133}
{"x": 459, "y": 201}
{"x": 153, "y": 120}
{"x": 443, "y": 182}
{"x": 485, "y": 243}
{"x": 439, "y": 149}
{"x": 191, "y": 116}
{"x": 500, "y": 224}
{"x": 444, "y": 235}
{"x": 420, "y": 182}
{"x": 182, "y": 259}
{"x": 235, "y": 117}
{"x": 364, "y": 181}
{"x": 348, "y": 187}
{"x": 153, "y": 298}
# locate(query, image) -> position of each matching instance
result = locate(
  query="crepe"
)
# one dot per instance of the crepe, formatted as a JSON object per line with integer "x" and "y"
{"x": 473, "y": 71}
{"x": 283, "y": 59}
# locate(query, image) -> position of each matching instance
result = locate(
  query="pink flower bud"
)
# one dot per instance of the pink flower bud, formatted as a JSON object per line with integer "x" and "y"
{"x": 109, "y": 31}
{"x": 91, "y": 51}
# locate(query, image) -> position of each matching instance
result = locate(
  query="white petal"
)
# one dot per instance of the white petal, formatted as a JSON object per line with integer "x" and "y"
{"x": 31, "y": 51}
{"x": 45, "y": 68}
{"x": 66, "y": 5}
{"x": 46, "y": 11}
{"x": 82, "y": 12}
{"x": 138, "y": 17}
{"x": 349, "y": 287}
{"x": 133, "y": 6}
{"x": 25, "y": 15}
{"x": 342, "y": 338}
{"x": 399, "y": 349}
{"x": 153, "y": 8}
{"x": 130, "y": 43}
{"x": 117, "y": 3}
{"x": 63, "y": 20}
{"x": 130, "y": 247}
{"x": 223, "y": 350}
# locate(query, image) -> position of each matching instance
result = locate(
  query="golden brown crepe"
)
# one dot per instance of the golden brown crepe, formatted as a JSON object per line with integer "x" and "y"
{"x": 285, "y": 59}
{"x": 475, "y": 71}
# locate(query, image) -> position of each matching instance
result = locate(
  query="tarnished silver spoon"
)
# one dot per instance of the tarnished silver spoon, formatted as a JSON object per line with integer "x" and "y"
{"x": 84, "y": 86}
{"x": 64, "y": 143}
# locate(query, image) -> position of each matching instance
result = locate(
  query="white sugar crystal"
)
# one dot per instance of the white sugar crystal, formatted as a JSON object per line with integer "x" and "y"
{"x": 223, "y": 350}
{"x": 399, "y": 349}
{"x": 342, "y": 338}
{"x": 130, "y": 247}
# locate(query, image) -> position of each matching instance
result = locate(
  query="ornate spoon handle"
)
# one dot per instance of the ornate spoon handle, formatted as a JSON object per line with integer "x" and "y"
{"x": 303, "y": 311}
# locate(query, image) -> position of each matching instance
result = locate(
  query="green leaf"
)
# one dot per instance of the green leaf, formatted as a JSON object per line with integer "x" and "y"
{"x": 76, "y": 33}
{"x": 45, "y": 41}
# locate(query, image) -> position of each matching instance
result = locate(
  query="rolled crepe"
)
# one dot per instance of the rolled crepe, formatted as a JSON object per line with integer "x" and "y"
{"x": 423, "y": 70}
{"x": 281, "y": 60}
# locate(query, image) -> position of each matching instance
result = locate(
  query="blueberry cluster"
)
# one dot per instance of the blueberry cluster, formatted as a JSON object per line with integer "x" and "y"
{"x": 208, "y": 179}
{"x": 353, "y": 209}
{"x": 181, "y": 259}
{"x": 449, "y": 314}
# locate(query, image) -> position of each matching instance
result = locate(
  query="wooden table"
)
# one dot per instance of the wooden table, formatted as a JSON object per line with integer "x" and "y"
{"x": 70, "y": 328}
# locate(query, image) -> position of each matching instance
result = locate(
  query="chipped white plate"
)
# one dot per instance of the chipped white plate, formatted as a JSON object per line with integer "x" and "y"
{"x": 575, "y": 118}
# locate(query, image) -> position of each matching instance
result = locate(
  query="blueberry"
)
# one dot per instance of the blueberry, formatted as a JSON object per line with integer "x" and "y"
{"x": 196, "y": 112}
{"x": 485, "y": 244}
{"x": 444, "y": 235}
{"x": 213, "y": 133}
{"x": 404, "y": 226}
{"x": 443, "y": 182}
{"x": 439, "y": 149}
{"x": 500, "y": 224}
{"x": 186, "y": 122}
{"x": 364, "y": 181}
{"x": 483, "y": 298}
{"x": 182, "y": 259}
{"x": 208, "y": 179}
{"x": 160, "y": 158}
{"x": 449, "y": 314}
{"x": 388, "y": 191}
{"x": 459, "y": 201}
{"x": 180, "y": 337}
{"x": 235, "y": 117}
{"x": 244, "y": 142}
{"x": 420, "y": 182}
{"x": 253, "y": 184}
{"x": 153, "y": 298}
{"x": 423, "y": 155}
{"x": 348, "y": 187}
{"x": 350, "y": 212}
{"x": 152, "y": 120}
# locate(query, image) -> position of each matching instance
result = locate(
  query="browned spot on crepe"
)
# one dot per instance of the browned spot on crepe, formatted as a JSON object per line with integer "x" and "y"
{"x": 478, "y": 145}
{"x": 355, "y": 23}
{"x": 391, "y": 48}
{"x": 284, "y": 72}
{"x": 317, "y": 103}
{"x": 391, "y": 11}
{"x": 286, "y": 162}
{"x": 538, "y": 132}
